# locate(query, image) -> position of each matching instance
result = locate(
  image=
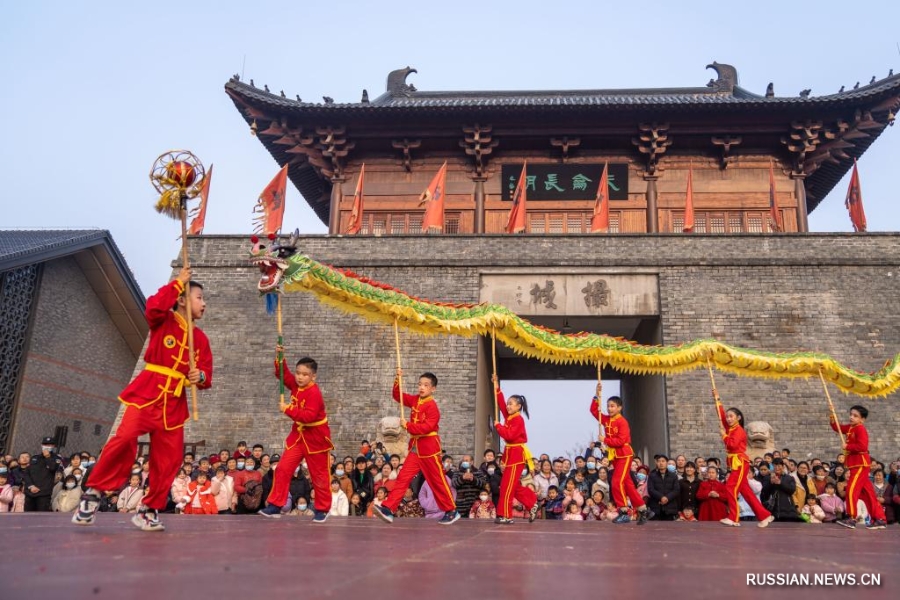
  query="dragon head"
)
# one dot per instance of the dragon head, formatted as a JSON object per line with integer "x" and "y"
{"x": 272, "y": 260}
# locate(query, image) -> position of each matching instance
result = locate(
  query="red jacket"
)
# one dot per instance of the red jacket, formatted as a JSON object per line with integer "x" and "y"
{"x": 712, "y": 509}
{"x": 735, "y": 439}
{"x": 513, "y": 433}
{"x": 206, "y": 500}
{"x": 307, "y": 409}
{"x": 422, "y": 424}
{"x": 857, "y": 451}
{"x": 618, "y": 433}
{"x": 242, "y": 478}
{"x": 168, "y": 350}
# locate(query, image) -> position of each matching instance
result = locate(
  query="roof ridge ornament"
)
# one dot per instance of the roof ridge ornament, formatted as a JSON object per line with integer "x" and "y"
{"x": 727, "y": 77}
{"x": 396, "y": 82}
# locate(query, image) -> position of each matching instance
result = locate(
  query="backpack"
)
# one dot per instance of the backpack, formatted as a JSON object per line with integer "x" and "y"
{"x": 252, "y": 497}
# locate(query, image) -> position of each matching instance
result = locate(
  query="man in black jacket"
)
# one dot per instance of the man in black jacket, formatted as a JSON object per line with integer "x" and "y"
{"x": 663, "y": 489}
{"x": 777, "y": 491}
{"x": 40, "y": 476}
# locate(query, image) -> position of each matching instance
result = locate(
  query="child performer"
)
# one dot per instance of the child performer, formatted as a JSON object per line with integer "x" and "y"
{"x": 859, "y": 486}
{"x": 735, "y": 439}
{"x": 515, "y": 457}
{"x": 156, "y": 405}
{"x": 618, "y": 441}
{"x": 424, "y": 451}
{"x": 310, "y": 439}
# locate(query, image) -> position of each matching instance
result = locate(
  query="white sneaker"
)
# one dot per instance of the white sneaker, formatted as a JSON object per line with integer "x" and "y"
{"x": 87, "y": 508}
{"x": 729, "y": 522}
{"x": 765, "y": 522}
{"x": 147, "y": 520}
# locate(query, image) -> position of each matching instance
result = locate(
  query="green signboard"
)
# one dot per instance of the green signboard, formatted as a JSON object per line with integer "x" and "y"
{"x": 565, "y": 182}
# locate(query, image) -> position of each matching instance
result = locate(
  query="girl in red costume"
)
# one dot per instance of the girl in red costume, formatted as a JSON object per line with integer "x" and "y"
{"x": 735, "y": 439}
{"x": 515, "y": 457}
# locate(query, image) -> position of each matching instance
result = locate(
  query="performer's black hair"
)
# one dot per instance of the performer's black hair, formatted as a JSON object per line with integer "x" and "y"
{"x": 430, "y": 376}
{"x": 739, "y": 415}
{"x": 312, "y": 364}
{"x": 862, "y": 410}
{"x": 522, "y": 402}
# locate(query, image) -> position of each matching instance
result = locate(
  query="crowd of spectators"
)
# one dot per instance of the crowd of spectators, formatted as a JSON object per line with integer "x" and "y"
{"x": 239, "y": 481}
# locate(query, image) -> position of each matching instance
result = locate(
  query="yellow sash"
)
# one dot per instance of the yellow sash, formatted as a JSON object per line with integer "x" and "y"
{"x": 734, "y": 461}
{"x": 526, "y": 454}
{"x": 302, "y": 426}
{"x": 178, "y": 375}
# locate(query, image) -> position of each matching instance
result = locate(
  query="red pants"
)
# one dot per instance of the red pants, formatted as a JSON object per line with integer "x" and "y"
{"x": 317, "y": 464}
{"x": 433, "y": 470}
{"x": 737, "y": 484}
{"x": 166, "y": 455}
{"x": 860, "y": 487}
{"x": 622, "y": 486}
{"x": 511, "y": 487}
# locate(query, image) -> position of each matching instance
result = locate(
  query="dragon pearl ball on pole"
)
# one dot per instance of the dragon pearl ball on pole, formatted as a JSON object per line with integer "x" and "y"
{"x": 178, "y": 177}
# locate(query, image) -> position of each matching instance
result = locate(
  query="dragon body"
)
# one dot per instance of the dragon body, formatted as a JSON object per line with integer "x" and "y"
{"x": 379, "y": 302}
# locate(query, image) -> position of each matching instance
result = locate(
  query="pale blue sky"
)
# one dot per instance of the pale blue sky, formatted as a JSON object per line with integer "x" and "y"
{"x": 95, "y": 91}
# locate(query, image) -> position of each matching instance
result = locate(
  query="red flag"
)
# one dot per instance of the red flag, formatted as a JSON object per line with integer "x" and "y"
{"x": 516, "y": 222}
{"x": 689, "y": 203}
{"x": 774, "y": 211}
{"x": 271, "y": 205}
{"x": 600, "y": 220}
{"x": 199, "y": 213}
{"x": 433, "y": 199}
{"x": 854, "y": 203}
{"x": 355, "y": 223}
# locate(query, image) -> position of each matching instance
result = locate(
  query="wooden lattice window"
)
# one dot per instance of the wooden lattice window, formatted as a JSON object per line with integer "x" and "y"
{"x": 403, "y": 223}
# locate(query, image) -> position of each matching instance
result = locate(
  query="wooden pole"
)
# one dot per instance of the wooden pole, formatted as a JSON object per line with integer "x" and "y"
{"x": 715, "y": 392}
{"x": 189, "y": 316}
{"x": 280, "y": 356}
{"x": 599, "y": 401}
{"x": 399, "y": 377}
{"x": 831, "y": 406}
{"x": 494, "y": 363}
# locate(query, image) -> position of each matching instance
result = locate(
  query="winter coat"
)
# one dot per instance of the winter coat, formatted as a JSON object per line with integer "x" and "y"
{"x": 712, "y": 508}
{"x": 340, "y": 505}
{"x": 67, "y": 500}
{"x": 543, "y": 483}
{"x": 779, "y": 499}
{"x": 663, "y": 485}
{"x": 223, "y": 492}
{"x": 687, "y": 493}
{"x": 129, "y": 499}
{"x": 428, "y": 502}
{"x": 467, "y": 491}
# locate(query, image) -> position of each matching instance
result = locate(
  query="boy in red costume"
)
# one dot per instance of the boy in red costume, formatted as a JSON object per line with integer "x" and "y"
{"x": 424, "y": 451}
{"x": 515, "y": 457}
{"x": 157, "y": 404}
{"x": 618, "y": 442}
{"x": 310, "y": 438}
{"x": 735, "y": 439}
{"x": 859, "y": 486}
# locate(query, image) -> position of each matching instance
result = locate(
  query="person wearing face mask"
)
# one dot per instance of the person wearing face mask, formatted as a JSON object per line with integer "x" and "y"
{"x": 67, "y": 499}
{"x": 494, "y": 476}
{"x": 342, "y": 474}
{"x": 40, "y": 476}
{"x": 516, "y": 456}
{"x": 735, "y": 438}
{"x": 663, "y": 489}
{"x": 242, "y": 479}
{"x": 819, "y": 480}
{"x": 483, "y": 508}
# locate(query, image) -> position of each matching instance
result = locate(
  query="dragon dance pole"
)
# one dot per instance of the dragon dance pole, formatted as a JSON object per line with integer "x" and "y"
{"x": 188, "y": 302}
{"x": 715, "y": 392}
{"x": 281, "y": 404}
{"x": 494, "y": 362}
{"x": 831, "y": 406}
{"x": 399, "y": 368}
{"x": 599, "y": 402}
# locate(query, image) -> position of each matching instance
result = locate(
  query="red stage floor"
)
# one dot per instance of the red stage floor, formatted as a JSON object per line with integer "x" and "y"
{"x": 248, "y": 557}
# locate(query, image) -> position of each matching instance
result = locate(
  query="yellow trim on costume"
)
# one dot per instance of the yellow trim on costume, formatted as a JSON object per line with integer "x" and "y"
{"x": 852, "y": 491}
{"x": 527, "y": 456}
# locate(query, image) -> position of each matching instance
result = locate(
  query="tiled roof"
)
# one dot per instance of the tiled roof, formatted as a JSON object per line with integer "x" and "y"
{"x": 16, "y": 245}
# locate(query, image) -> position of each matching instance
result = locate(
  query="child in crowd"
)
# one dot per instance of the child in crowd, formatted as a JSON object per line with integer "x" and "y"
{"x": 553, "y": 505}
{"x": 831, "y": 504}
{"x": 573, "y": 513}
{"x": 357, "y": 509}
{"x": 199, "y": 499}
{"x": 687, "y": 514}
{"x": 483, "y": 508}
{"x": 594, "y": 507}
{"x": 7, "y": 491}
{"x": 340, "y": 504}
{"x": 130, "y": 497}
{"x": 811, "y": 511}
{"x": 409, "y": 507}
{"x": 380, "y": 495}
{"x": 69, "y": 496}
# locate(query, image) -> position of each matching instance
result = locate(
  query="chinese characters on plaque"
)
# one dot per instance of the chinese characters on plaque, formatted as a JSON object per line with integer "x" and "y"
{"x": 565, "y": 182}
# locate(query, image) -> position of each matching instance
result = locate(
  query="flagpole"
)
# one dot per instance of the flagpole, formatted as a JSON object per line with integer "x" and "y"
{"x": 399, "y": 368}
{"x": 831, "y": 406}
{"x": 715, "y": 392}
{"x": 188, "y": 304}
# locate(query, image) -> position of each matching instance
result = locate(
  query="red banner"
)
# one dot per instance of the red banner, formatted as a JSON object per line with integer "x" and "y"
{"x": 853, "y": 202}
{"x": 516, "y": 222}
{"x": 199, "y": 213}
{"x": 271, "y": 205}
{"x": 433, "y": 199}
{"x": 689, "y": 203}
{"x": 355, "y": 223}
{"x": 600, "y": 219}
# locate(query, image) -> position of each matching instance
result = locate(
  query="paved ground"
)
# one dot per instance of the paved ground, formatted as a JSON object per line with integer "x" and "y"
{"x": 250, "y": 557}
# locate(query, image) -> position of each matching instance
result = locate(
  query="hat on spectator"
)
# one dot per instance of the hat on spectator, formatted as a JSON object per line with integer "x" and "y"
{"x": 48, "y": 441}
{"x": 274, "y": 458}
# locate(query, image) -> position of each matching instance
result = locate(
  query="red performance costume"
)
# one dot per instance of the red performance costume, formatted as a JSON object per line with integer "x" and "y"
{"x": 858, "y": 462}
{"x": 618, "y": 440}
{"x": 156, "y": 402}
{"x": 310, "y": 438}
{"x": 424, "y": 452}
{"x": 735, "y": 439}
{"x": 514, "y": 456}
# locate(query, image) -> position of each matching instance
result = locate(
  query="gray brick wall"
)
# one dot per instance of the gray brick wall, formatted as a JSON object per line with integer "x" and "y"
{"x": 77, "y": 364}
{"x": 837, "y": 293}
